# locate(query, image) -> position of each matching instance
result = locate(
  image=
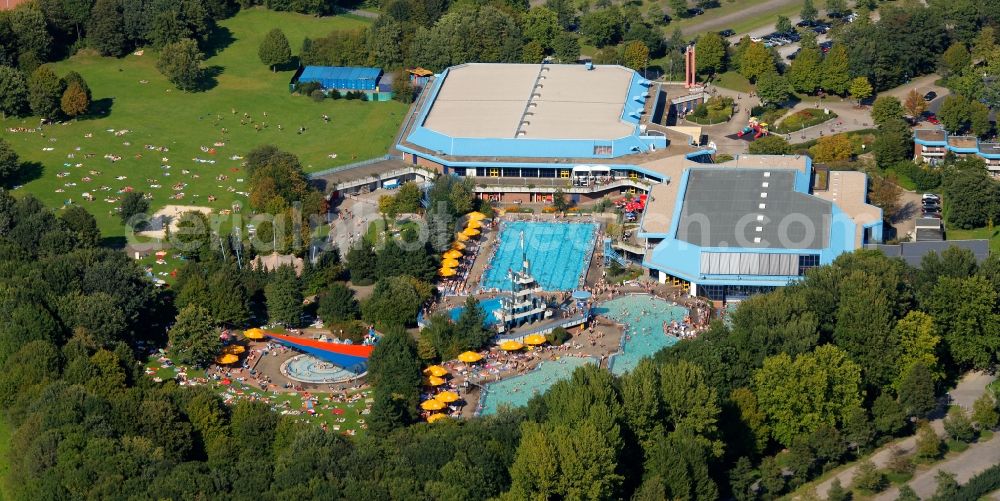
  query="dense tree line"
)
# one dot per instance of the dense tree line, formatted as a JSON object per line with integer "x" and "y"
{"x": 825, "y": 369}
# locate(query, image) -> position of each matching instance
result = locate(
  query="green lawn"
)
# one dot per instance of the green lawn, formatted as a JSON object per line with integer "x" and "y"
{"x": 979, "y": 233}
{"x": 732, "y": 80}
{"x": 157, "y": 115}
{"x": 281, "y": 402}
{"x": 754, "y": 17}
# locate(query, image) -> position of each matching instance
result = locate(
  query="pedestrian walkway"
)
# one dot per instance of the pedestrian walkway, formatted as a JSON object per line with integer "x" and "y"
{"x": 970, "y": 388}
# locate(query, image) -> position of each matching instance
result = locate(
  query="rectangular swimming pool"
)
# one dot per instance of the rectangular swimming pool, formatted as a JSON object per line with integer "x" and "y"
{"x": 558, "y": 252}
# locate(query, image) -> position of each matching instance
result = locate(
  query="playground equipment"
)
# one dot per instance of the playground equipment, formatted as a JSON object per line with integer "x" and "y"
{"x": 610, "y": 254}
{"x": 758, "y": 128}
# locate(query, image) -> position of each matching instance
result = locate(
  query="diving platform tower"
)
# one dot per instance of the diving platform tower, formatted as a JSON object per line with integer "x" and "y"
{"x": 523, "y": 304}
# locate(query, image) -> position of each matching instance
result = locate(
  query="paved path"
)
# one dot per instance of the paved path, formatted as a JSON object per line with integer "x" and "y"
{"x": 850, "y": 116}
{"x": 718, "y": 23}
{"x": 966, "y": 465}
{"x": 965, "y": 393}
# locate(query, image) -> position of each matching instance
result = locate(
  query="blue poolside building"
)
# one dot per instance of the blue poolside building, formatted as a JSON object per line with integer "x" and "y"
{"x": 725, "y": 230}
{"x": 370, "y": 81}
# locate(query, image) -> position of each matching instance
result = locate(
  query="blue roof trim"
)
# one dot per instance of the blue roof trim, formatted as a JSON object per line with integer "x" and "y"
{"x": 967, "y": 151}
{"x": 637, "y": 142}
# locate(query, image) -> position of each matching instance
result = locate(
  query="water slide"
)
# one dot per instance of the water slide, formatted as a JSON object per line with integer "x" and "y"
{"x": 610, "y": 254}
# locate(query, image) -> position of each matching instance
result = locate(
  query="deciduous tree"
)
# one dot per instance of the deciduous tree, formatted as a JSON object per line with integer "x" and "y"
{"x": 44, "y": 92}
{"x": 773, "y": 88}
{"x": 10, "y": 163}
{"x": 711, "y": 50}
{"x": 274, "y": 49}
{"x": 804, "y": 73}
{"x": 835, "y": 148}
{"x": 801, "y": 394}
{"x": 133, "y": 203}
{"x": 13, "y": 92}
{"x": 193, "y": 337}
{"x": 181, "y": 62}
{"x": 836, "y": 71}
{"x": 970, "y": 326}
{"x": 808, "y": 11}
{"x": 892, "y": 142}
{"x": 636, "y": 55}
{"x": 860, "y": 89}
{"x": 914, "y": 104}
{"x": 74, "y": 100}
{"x": 886, "y": 108}
{"x": 284, "y": 298}
{"x": 756, "y": 61}
{"x": 955, "y": 59}
{"x": 984, "y": 411}
{"x": 337, "y": 304}
{"x": 566, "y": 47}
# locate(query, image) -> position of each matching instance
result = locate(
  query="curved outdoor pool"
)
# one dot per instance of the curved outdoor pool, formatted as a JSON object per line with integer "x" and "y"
{"x": 643, "y": 317}
{"x": 309, "y": 369}
{"x": 516, "y": 391}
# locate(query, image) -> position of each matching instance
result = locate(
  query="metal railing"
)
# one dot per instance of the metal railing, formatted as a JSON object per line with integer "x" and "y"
{"x": 353, "y": 165}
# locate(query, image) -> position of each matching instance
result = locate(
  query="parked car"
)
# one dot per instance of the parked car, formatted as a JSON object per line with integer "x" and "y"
{"x": 756, "y": 39}
{"x": 727, "y": 33}
{"x": 697, "y": 11}
{"x": 805, "y": 24}
{"x": 934, "y": 215}
{"x": 930, "y": 96}
{"x": 933, "y": 119}
{"x": 793, "y": 55}
{"x": 930, "y": 196}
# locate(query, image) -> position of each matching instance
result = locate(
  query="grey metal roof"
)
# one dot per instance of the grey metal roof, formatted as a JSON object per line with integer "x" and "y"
{"x": 913, "y": 252}
{"x": 751, "y": 208}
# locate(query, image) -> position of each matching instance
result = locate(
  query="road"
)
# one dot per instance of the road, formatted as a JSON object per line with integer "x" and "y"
{"x": 722, "y": 22}
{"x": 966, "y": 465}
{"x": 971, "y": 387}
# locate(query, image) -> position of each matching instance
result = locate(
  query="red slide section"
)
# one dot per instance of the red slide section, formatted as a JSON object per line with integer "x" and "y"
{"x": 354, "y": 350}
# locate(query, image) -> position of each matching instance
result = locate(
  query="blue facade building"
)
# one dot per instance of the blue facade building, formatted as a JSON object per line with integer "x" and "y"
{"x": 727, "y": 230}
{"x": 931, "y": 145}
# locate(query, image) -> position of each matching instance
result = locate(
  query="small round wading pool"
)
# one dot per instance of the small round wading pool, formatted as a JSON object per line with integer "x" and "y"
{"x": 309, "y": 369}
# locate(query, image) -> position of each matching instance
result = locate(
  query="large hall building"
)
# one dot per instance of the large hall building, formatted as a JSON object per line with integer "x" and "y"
{"x": 726, "y": 230}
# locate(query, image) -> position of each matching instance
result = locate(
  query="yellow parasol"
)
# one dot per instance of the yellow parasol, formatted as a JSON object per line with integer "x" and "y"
{"x": 254, "y": 333}
{"x": 452, "y": 254}
{"x": 476, "y": 216}
{"x": 436, "y": 417}
{"x": 449, "y": 263}
{"x": 461, "y": 238}
{"x": 511, "y": 345}
{"x": 447, "y": 272}
{"x": 434, "y": 381}
{"x": 227, "y": 359}
{"x": 534, "y": 339}
{"x": 436, "y": 370}
{"x": 474, "y": 224}
{"x": 432, "y": 405}
{"x": 233, "y": 349}
{"x": 446, "y": 397}
{"x": 470, "y": 357}
{"x": 459, "y": 246}
{"x": 470, "y": 232}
